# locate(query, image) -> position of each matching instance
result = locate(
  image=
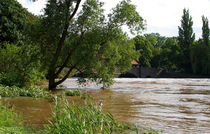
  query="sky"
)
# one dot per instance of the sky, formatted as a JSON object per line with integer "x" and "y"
{"x": 162, "y": 16}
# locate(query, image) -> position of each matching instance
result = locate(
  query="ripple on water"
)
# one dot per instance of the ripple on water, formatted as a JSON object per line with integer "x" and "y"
{"x": 174, "y": 105}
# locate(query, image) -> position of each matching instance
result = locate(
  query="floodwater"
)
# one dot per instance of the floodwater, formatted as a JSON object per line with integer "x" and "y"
{"x": 174, "y": 106}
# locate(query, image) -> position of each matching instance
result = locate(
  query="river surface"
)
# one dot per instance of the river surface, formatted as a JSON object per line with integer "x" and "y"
{"x": 175, "y": 106}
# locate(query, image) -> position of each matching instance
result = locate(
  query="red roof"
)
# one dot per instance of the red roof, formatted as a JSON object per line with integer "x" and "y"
{"x": 134, "y": 62}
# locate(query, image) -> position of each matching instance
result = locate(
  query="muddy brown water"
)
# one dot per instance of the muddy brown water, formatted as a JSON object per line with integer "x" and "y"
{"x": 175, "y": 106}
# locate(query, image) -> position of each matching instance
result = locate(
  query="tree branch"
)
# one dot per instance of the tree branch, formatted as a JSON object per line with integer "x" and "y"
{"x": 68, "y": 73}
{"x": 61, "y": 42}
{"x": 63, "y": 66}
{"x": 75, "y": 9}
{"x": 66, "y": 76}
{"x": 69, "y": 56}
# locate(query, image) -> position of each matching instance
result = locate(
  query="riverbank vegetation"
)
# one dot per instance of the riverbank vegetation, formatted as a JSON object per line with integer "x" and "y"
{"x": 11, "y": 123}
{"x": 6, "y": 91}
{"x": 69, "y": 119}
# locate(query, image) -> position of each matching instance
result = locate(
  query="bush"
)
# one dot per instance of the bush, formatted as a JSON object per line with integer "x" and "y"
{"x": 11, "y": 79}
{"x": 19, "y": 65}
{"x": 73, "y": 93}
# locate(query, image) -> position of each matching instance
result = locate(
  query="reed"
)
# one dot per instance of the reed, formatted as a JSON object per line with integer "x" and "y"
{"x": 86, "y": 119}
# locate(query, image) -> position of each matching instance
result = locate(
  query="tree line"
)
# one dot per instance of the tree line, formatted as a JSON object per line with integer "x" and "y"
{"x": 182, "y": 53}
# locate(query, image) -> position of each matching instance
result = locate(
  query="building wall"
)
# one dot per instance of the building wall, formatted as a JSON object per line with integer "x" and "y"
{"x": 135, "y": 70}
{"x": 145, "y": 72}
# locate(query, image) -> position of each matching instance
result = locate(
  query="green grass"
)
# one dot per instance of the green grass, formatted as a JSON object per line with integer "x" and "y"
{"x": 87, "y": 119}
{"x": 73, "y": 93}
{"x": 10, "y": 123}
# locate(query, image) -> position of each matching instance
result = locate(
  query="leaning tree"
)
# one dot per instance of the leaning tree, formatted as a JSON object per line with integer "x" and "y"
{"x": 86, "y": 41}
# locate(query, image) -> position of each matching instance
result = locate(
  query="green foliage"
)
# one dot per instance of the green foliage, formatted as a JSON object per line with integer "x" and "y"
{"x": 35, "y": 92}
{"x": 155, "y": 39}
{"x": 145, "y": 48}
{"x": 19, "y": 65}
{"x": 12, "y": 22}
{"x": 200, "y": 52}
{"x": 72, "y": 119}
{"x": 125, "y": 14}
{"x": 11, "y": 79}
{"x": 86, "y": 96}
{"x": 89, "y": 44}
{"x": 10, "y": 122}
{"x": 157, "y": 51}
{"x": 73, "y": 93}
{"x": 167, "y": 56}
{"x": 186, "y": 39}
{"x": 205, "y": 31}
{"x": 19, "y": 58}
{"x": 200, "y": 58}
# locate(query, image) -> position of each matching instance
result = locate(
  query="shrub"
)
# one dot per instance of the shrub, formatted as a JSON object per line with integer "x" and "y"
{"x": 19, "y": 65}
{"x": 73, "y": 93}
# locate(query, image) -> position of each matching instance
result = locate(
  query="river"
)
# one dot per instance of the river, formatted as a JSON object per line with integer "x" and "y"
{"x": 174, "y": 106}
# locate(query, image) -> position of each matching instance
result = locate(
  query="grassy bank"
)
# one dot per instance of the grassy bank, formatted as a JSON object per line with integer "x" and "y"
{"x": 11, "y": 123}
{"x": 86, "y": 119}
{"x": 66, "y": 119}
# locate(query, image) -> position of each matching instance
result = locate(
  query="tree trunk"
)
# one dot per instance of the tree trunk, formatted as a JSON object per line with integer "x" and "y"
{"x": 52, "y": 68}
{"x": 52, "y": 84}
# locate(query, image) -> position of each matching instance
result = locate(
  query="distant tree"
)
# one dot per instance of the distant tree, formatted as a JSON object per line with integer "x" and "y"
{"x": 145, "y": 49}
{"x": 155, "y": 39}
{"x": 167, "y": 54}
{"x": 200, "y": 58}
{"x": 200, "y": 54}
{"x": 87, "y": 42}
{"x": 205, "y": 31}
{"x": 186, "y": 38}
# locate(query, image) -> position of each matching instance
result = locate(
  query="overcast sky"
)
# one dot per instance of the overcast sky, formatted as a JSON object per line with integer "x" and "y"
{"x": 162, "y": 16}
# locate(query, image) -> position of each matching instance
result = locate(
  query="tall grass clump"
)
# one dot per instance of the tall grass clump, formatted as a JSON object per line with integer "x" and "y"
{"x": 86, "y": 119}
{"x": 73, "y": 93}
{"x": 10, "y": 123}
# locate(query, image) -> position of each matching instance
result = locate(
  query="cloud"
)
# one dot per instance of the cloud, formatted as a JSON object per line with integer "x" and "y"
{"x": 162, "y": 16}
{"x": 34, "y": 7}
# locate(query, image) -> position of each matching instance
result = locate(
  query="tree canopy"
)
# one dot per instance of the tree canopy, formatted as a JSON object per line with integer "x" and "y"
{"x": 13, "y": 19}
{"x": 88, "y": 42}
